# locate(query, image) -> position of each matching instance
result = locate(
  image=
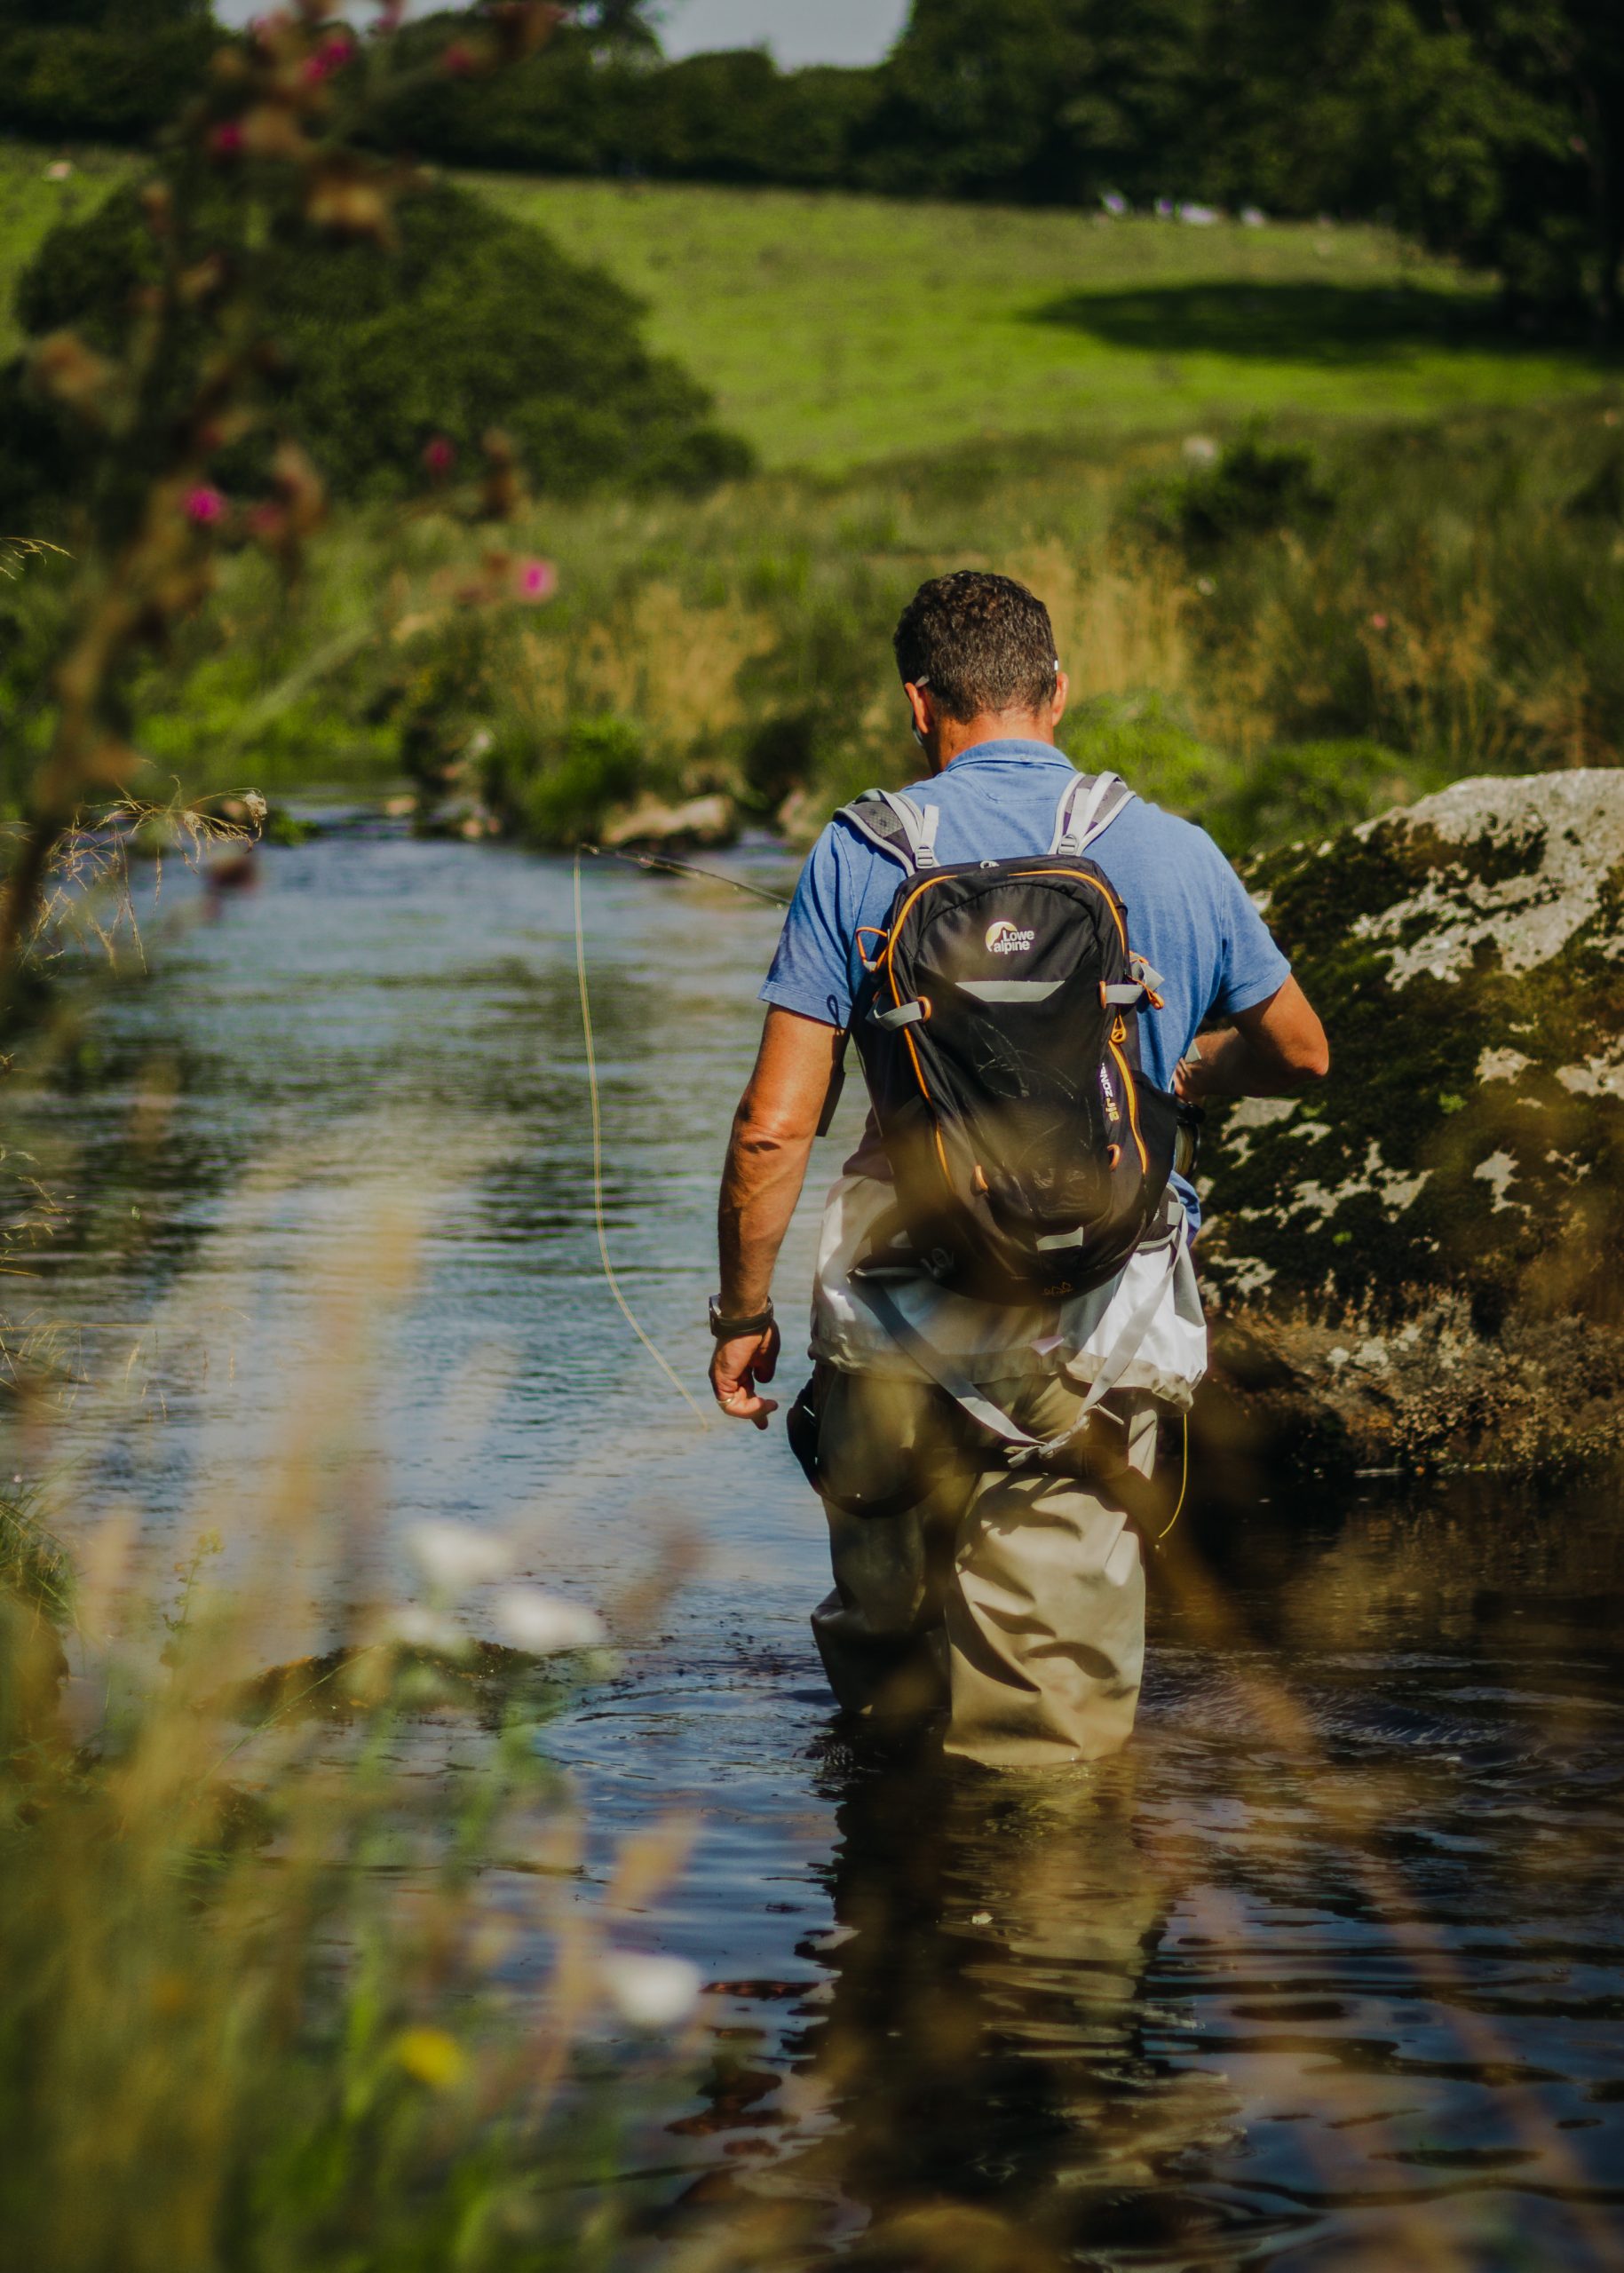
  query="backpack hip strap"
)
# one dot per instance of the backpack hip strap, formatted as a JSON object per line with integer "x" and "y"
{"x": 1100, "y": 799}
{"x": 1025, "y": 1449}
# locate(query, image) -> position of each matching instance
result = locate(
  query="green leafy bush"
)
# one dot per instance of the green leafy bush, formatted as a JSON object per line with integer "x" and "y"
{"x": 1310, "y": 789}
{"x": 596, "y": 764}
{"x": 475, "y": 322}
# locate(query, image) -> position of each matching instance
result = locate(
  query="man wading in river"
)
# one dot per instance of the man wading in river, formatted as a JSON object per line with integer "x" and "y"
{"x": 1005, "y": 1302}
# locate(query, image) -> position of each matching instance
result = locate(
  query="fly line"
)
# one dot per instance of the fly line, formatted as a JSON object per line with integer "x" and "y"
{"x": 627, "y": 1312}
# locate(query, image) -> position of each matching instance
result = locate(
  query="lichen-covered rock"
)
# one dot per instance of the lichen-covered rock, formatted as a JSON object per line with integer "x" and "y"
{"x": 1467, "y": 955}
{"x": 1452, "y": 1195}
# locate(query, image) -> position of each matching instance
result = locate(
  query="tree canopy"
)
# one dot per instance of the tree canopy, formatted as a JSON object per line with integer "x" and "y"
{"x": 473, "y": 322}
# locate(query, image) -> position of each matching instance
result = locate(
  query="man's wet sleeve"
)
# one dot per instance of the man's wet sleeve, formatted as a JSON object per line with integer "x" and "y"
{"x": 812, "y": 971}
{"x": 1252, "y": 968}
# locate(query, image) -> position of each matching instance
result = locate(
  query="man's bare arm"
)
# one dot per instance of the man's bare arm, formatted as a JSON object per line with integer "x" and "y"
{"x": 1272, "y": 1049}
{"x": 772, "y": 1141}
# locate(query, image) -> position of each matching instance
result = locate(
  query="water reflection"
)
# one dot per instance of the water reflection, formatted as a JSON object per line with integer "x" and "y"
{"x": 984, "y": 2048}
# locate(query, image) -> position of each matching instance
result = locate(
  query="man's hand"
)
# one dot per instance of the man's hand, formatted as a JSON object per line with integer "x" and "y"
{"x": 736, "y": 1369}
{"x": 1272, "y": 1050}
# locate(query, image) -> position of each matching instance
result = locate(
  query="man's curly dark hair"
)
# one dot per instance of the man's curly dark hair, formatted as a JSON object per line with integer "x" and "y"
{"x": 978, "y": 643}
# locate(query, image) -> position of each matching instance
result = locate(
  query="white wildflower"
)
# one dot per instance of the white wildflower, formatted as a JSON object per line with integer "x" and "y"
{"x": 650, "y": 1993}
{"x": 415, "y": 1628}
{"x": 545, "y": 1625}
{"x": 455, "y": 1556}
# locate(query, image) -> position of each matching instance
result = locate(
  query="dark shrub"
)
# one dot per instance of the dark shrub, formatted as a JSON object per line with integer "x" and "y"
{"x": 476, "y": 321}
{"x": 1253, "y": 488}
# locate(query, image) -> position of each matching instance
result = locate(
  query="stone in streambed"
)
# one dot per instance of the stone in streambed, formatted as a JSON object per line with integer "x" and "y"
{"x": 703, "y": 823}
{"x": 1421, "y": 1261}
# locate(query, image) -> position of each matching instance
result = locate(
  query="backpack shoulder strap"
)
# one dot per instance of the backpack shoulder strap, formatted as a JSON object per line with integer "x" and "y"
{"x": 897, "y": 827}
{"x": 1088, "y": 807}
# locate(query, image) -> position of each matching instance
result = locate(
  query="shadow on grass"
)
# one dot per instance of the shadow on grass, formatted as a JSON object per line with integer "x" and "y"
{"x": 1333, "y": 324}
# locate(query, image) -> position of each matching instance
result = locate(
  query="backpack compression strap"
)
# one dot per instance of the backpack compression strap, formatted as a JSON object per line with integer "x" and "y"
{"x": 897, "y": 827}
{"x": 1086, "y": 810}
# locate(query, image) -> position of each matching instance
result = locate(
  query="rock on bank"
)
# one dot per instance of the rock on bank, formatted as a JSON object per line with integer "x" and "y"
{"x": 1421, "y": 1263}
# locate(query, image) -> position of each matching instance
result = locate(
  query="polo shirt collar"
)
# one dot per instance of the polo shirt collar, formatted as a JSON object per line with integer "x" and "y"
{"x": 1025, "y": 752}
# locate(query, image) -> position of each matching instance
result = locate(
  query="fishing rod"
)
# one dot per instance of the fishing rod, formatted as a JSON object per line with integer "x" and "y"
{"x": 661, "y": 863}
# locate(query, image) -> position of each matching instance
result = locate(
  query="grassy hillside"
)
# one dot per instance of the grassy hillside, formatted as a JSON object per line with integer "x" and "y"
{"x": 838, "y": 329}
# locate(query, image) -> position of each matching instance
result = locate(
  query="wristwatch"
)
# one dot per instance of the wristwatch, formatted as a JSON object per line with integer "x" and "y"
{"x": 734, "y": 1330}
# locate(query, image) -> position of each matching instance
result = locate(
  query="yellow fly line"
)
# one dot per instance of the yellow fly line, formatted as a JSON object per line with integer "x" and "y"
{"x": 1183, "y": 1489}
{"x": 597, "y": 1167}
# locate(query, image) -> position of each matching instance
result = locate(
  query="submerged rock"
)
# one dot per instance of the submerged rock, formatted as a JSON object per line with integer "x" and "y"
{"x": 703, "y": 823}
{"x": 1422, "y": 1259}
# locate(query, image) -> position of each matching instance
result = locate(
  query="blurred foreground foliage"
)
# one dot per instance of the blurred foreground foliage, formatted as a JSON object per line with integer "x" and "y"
{"x": 1276, "y": 635}
{"x": 259, "y": 2008}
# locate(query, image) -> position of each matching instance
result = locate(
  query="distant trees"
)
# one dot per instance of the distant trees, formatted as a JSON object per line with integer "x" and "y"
{"x": 110, "y": 69}
{"x": 1490, "y": 129}
{"x": 1506, "y": 123}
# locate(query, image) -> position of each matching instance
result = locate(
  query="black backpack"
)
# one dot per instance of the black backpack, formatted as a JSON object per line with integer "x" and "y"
{"x": 998, "y": 1029}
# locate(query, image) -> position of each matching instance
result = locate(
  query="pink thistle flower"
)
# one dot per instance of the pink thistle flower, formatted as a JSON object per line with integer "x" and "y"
{"x": 1378, "y": 623}
{"x": 538, "y": 580}
{"x": 439, "y": 456}
{"x": 334, "y": 52}
{"x": 226, "y": 141}
{"x": 205, "y": 506}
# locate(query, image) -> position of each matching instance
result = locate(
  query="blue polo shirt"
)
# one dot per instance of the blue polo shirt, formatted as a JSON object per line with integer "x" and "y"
{"x": 1188, "y": 912}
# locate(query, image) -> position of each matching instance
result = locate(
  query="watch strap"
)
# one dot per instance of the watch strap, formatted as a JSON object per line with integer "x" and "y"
{"x": 734, "y": 1330}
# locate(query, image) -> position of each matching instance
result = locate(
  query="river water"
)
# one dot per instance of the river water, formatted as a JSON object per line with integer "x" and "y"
{"x": 1327, "y": 1972}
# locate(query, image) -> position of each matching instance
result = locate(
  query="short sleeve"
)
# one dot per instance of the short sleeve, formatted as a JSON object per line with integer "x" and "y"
{"x": 811, "y": 971}
{"x": 1251, "y": 967}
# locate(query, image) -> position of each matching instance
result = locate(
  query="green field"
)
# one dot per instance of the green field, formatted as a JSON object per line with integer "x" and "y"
{"x": 839, "y": 329}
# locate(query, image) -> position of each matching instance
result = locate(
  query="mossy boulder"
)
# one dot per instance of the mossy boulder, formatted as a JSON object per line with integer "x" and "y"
{"x": 1427, "y": 1255}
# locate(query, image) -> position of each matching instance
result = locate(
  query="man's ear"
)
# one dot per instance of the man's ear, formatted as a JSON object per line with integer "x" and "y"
{"x": 924, "y": 709}
{"x": 1063, "y": 695}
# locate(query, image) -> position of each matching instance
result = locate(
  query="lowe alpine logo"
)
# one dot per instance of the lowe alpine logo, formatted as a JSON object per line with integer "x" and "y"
{"x": 1006, "y": 938}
